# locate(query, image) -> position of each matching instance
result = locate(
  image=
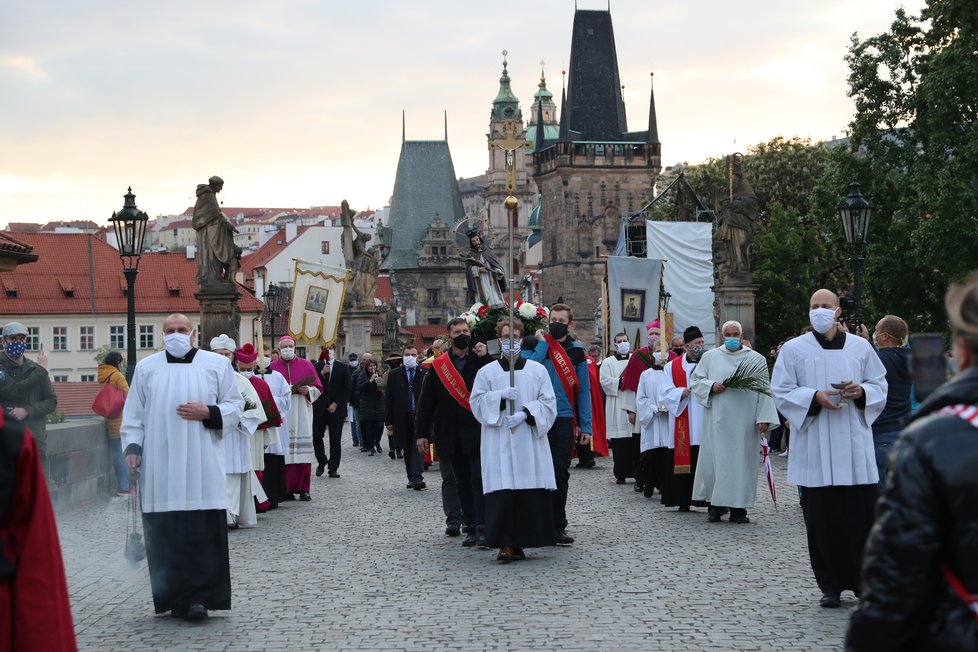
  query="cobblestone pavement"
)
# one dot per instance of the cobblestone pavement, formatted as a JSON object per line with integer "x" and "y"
{"x": 366, "y": 566}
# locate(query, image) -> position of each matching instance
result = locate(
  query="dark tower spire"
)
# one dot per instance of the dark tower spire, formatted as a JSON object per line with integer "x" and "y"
{"x": 653, "y": 136}
{"x": 595, "y": 104}
{"x": 564, "y": 116}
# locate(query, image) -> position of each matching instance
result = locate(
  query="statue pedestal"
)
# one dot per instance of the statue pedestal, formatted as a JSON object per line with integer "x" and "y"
{"x": 218, "y": 312}
{"x": 356, "y": 326}
{"x": 735, "y": 301}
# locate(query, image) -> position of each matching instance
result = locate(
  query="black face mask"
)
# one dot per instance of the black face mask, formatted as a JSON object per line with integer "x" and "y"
{"x": 679, "y": 351}
{"x": 558, "y": 330}
{"x": 462, "y": 341}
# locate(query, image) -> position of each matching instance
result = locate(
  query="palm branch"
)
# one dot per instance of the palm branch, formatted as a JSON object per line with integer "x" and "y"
{"x": 750, "y": 375}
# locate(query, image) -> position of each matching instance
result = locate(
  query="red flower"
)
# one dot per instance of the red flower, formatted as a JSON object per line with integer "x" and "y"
{"x": 483, "y": 311}
{"x": 541, "y": 313}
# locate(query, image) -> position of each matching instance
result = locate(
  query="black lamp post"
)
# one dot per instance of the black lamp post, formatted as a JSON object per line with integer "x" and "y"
{"x": 130, "y": 228}
{"x": 855, "y": 211}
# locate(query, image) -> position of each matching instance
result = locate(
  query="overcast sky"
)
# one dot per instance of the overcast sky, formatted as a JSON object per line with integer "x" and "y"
{"x": 298, "y": 102}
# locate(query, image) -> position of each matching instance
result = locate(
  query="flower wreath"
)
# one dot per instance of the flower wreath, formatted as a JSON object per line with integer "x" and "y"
{"x": 482, "y": 319}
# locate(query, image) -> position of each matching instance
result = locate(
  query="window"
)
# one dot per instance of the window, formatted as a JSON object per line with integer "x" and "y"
{"x": 325, "y": 246}
{"x": 88, "y": 378}
{"x": 434, "y": 321}
{"x": 300, "y": 351}
{"x": 60, "y": 340}
{"x": 86, "y": 338}
{"x": 33, "y": 338}
{"x": 146, "y": 337}
{"x": 59, "y": 378}
{"x": 432, "y": 298}
{"x": 117, "y": 337}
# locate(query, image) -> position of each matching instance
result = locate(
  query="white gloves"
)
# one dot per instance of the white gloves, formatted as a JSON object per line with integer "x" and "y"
{"x": 510, "y": 394}
{"x": 515, "y": 420}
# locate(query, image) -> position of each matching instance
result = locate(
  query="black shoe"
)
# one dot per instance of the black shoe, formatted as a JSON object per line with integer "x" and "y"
{"x": 466, "y": 528}
{"x": 233, "y": 526}
{"x": 639, "y": 487}
{"x": 739, "y": 516}
{"x": 481, "y": 537}
{"x": 289, "y": 497}
{"x": 364, "y": 449}
{"x": 684, "y": 508}
{"x": 196, "y": 612}
{"x": 452, "y": 530}
{"x": 713, "y": 514}
{"x": 305, "y": 497}
{"x": 471, "y": 538}
{"x": 563, "y": 539}
{"x": 618, "y": 480}
{"x": 379, "y": 449}
{"x": 418, "y": 486}
{"x": 400, "y": 455}
{"x": 334, "y": 474}
{"x": 390, "y": 454}
{"x": 370, "y": 454}
{"x": 587, "y": 465}
{"x": 648, "y": 490}
{"x": 179, "y": 612}
{"x": 830, "y": 600}
{"x": 319, "y": 469}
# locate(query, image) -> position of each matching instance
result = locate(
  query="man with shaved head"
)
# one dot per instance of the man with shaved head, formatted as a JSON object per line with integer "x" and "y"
{"x": 180, "y": 402}
{"x": 831, "y": 386}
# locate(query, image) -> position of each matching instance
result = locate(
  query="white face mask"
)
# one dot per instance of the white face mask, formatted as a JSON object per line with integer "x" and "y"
{"x": 267, "y": 360}
{"x": 247, "y": 374}
{"x": 623, "y": 347}
{"x": 288, "y": 354}
{"x": 410, "y": 362}
{"x": 354, "y": 364}
{"x": 822, "y": 319}
{"x": 177, "y": 344}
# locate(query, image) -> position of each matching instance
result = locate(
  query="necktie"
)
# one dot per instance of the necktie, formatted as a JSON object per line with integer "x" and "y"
{"x": 410, "y": 378}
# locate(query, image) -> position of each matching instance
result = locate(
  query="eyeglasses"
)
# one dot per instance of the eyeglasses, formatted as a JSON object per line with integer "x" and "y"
{"x": 879, "y": 334}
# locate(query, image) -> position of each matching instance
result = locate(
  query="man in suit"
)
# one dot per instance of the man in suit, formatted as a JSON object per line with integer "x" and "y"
{"x": 329, "y": 411}
{"x": 401, "y": 399}
{"x": 443, "y": 409}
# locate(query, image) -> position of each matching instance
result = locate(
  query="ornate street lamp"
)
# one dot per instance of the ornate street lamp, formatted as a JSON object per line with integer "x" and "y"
{"x": 855, "y": 211}
{"x": 130, "y": 228}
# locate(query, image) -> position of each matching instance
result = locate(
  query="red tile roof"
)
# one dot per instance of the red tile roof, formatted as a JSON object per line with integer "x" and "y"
{"x": 71, "y": 224}
{"x": 266, "y": 252}
{"x": 75, "y": 399}
{"x": 23, "y": 227}
{"x": 10, "y": 248}
{"x": 179, "y": 224}
{"x": 424, "y": 334}
{"x": 385, "y": 291}
{"x": 64, "y": 263}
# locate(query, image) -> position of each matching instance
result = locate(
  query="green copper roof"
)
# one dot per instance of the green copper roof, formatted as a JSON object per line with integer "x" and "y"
{"x": 505, "y": 106}
{"x": 425, "y": 186}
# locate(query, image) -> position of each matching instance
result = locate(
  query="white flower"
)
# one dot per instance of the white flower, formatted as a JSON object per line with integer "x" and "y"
{"x": 470, "y": 319}
{"x": 527, "y": 311}
{"x": 476, "y": 307}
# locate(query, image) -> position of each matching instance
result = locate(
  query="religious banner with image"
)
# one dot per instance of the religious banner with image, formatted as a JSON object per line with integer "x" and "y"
{"x": 317, "y": 298}
{"x": 633, "y": 293}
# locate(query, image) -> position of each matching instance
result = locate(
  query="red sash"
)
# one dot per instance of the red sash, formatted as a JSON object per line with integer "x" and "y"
{"x": 960, "y": 590}
{"x": 273, "y": 418}
{"x": 682, "y": 454}
{"x": 452, "y": 380}
{"x": 565, "y": 370}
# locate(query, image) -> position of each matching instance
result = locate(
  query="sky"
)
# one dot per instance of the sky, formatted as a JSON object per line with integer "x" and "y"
{"x": 298, "y": 103}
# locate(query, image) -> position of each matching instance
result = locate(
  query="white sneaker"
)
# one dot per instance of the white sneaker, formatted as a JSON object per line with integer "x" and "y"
{"x": 784, "y": 454}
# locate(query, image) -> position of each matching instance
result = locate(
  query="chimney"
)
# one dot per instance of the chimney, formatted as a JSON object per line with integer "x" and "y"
{"x": 191, "y": 252}
{"x": 291, "y": 230}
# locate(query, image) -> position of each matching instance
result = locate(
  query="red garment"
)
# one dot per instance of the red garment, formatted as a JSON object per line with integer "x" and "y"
{"x": 35, "y": 612}
{"x": 273, "y": 418}
{"x": 599, "y": 436}
{"x": 637, "y": 363}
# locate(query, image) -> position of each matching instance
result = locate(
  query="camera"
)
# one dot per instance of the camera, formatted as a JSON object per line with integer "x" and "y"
{"x": 848, "y": 316}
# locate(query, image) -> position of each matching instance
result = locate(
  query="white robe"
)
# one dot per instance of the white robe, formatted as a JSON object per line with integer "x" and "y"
{"x": 182, "y": 461}
{"x": 277, "y": 441}
{"x": 672, "y": 397}
{"x": 520, "y": 458}
{"x": 728, "y": 465}
{"x": 237, "y": 439}
{"x": 298, "y": 423}
{"x": 616, "y": 423}
{"x": 834, "y": 447}
{"x": 653, "y": 421}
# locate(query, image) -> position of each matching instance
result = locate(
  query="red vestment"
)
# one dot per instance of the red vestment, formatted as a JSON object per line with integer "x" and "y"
{"x": 599, "y": 437}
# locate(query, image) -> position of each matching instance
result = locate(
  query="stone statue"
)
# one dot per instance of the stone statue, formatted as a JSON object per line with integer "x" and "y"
{"x": 218, "y": 257}
{"x": 737, "y": 212}
{"x": 484, "y": 276}
{"x": 362, "y": 262}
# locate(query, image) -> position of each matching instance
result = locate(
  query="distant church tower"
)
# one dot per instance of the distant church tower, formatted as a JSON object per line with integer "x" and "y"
{"x": 594, "y": 172}
{"x": 506, "y": 110}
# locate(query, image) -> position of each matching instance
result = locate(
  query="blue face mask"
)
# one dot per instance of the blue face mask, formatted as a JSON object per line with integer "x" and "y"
{"x": 732, "y": 343}
{"x": 15, "y": 349}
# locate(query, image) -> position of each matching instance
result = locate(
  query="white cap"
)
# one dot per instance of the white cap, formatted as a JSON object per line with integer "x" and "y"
{"x": 14, "y": 328}
{"x": 223, "y": 343}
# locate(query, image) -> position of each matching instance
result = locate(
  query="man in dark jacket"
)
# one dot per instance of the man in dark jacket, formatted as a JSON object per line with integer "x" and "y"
{"x": 443, "y": 409}
{"x": 921, "y": 561}
{"x": 26, "y": 393}
{"x": 890, "y": 337}
{"x": 400, "y": 408}
{"x": 329, "y": 411}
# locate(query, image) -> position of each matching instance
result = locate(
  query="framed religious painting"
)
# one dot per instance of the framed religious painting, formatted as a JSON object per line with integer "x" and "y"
{"x": 316, "y": 299}
{"x": 632, "y": 305}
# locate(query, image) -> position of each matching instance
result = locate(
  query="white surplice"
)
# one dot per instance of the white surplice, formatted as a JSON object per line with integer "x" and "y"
{"x": 729, "y": 462}
{"x": 238, "y": 461}
{"x": 672, "y": 397}
{"x": 834, "y": 447}
{"x": 182, "y": 461}
{"x": 653, "y": 421}
{"x": 277, "y": 441}
{"x": 616, "y": 423}
{"x": 520, "y": 458}
{"x": 298, "y": 423}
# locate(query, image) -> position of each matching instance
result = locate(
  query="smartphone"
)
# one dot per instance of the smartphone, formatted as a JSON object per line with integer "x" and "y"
{"x": 492, "y": 347}
{"x": 929, "y": 363}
